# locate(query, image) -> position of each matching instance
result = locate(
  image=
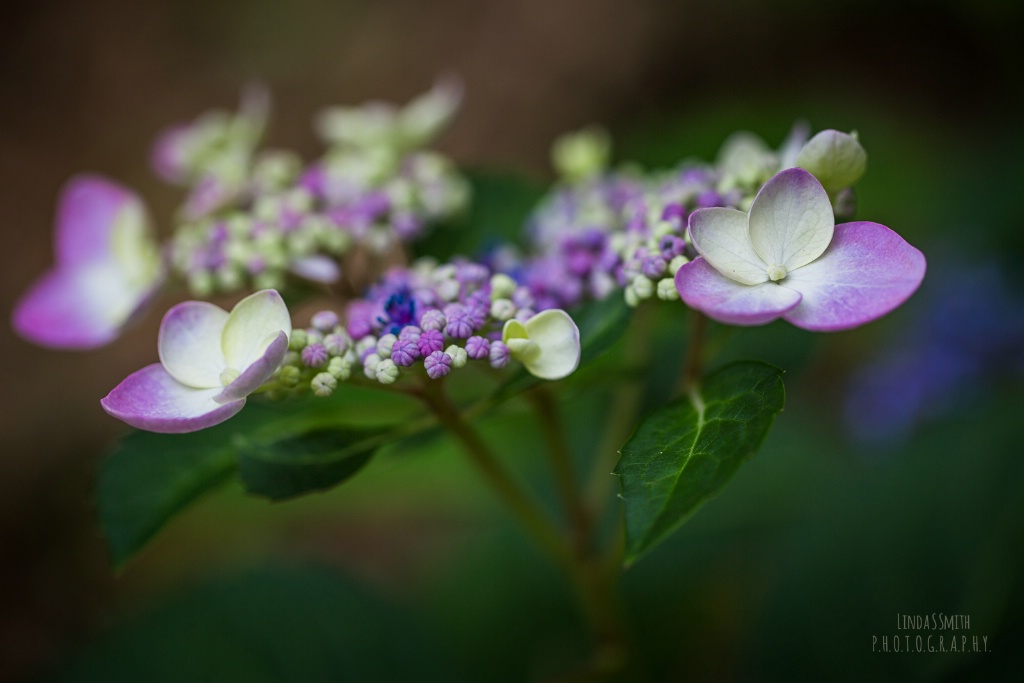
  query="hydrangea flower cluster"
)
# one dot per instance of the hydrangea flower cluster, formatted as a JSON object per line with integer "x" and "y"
{"x": 250, "y": 218}
{"x": 746, "y": 240}
{"x": 604, "y": 230}
{"x": 254, "y": 219}
{"x": 431, "y": 319}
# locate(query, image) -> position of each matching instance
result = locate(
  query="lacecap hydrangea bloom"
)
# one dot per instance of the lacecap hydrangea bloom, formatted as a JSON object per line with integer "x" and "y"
{"x": 260, "y": 217}
{"x": 108, "y": 266}
{"x": 786, "y": 258}
{"x": 210, "y": 361}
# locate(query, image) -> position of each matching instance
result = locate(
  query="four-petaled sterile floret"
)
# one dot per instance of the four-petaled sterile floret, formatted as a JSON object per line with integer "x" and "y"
{"x": 210, "y": 361}
{"x": 787, "y": 259}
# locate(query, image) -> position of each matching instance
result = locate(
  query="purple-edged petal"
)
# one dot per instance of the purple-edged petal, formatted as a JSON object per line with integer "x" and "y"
{"x": 721, "y": 236}
{"x": 317, "y": 268}
{"x": 257, "y": 373}
{"x": 76, "y": 308}
{"x": 791, "y": 219}
{"x": 705, "y": 289}
{"x": 190, "y": 343}
{"x": 151, "y": 399}
{"x": 867, "y": 271}
{"x": 89, "y": 209}
{"x": 253, "y": 326}
{"x": 169, "y": 157}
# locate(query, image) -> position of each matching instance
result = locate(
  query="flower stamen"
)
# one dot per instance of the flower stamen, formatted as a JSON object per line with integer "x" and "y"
{"x": 777, "y": 272}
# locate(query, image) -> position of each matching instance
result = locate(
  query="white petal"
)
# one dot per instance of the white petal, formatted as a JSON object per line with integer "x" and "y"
{"x": 553, "y": 347}
{"x": 721, "y": 236}
{"x": 836, "y": 159}
{"x": 791, "y": 220}
{"x": 745, "y": 159}
{"x": 253, "y": 325}
{"x": 190, "y": 343}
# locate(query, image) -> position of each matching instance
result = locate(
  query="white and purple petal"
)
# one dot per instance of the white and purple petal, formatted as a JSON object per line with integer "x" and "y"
{"x": 69, "y": 308}
{"x": 317, "y": 268}
{"x": 721, "y": 236}
{"x": 151, "y": 399}
{"x": 252, "y": 328}
{"x": 170, "y": 153}
{"x": 257, "y": 372}
{"x": 703, "y": 288}
{"x": 867, "y": 271}
{"x": 791, "y": 219}
{"x": 88, "y": 211}
{"x": 189, "y": 343}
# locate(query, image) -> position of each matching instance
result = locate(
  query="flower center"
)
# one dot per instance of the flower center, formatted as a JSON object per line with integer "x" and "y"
{"x": 777, "y": 272}
{"x": 523, "y": 349}
{"x": 228, "y": 376}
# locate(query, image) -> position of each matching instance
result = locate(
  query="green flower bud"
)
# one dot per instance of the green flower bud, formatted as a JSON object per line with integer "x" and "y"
{"x": 502, "y": 309}
{"x": 502, "y": 286}
{"x": 458, "y": 356}
{"x": 324, "y": 384}
{"x": 667, "y": 289}
{"x": 298, "y": 340}
{"x": 387, "y": 372}
{"x": 289, "y": 376}
{"x": 643, "y": 287}
{"x": 581, "y": 154}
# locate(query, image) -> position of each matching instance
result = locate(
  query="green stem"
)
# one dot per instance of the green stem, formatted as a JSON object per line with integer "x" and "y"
{"x": 693, "y": 367}
{"x": 560, "y": 457}
{"x": 522, "y": 507}
{"x": 622, "y": 414}
{"x": 594, "y": 580}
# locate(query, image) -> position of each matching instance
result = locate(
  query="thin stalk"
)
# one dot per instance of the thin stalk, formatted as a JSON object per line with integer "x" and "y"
{"x": 694, "y": 366}
{"x": 560, "y": 458}
{"x": 594, "y": 581}
{"x": 503, "y": 485}
{"x": 622, "y": 414}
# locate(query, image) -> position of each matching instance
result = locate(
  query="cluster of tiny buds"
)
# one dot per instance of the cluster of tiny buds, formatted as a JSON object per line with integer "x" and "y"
{"x": 251, "y": 218}
{"x": 303, "y": 227}
{"x": 618, "y": 230}
{"x": 389, "y": 337}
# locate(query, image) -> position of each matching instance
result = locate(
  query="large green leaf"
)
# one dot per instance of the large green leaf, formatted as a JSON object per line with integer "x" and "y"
{"x": 684, "y": 453}
{"x": 149, "y": 478}
{"x": 313, "y": 461}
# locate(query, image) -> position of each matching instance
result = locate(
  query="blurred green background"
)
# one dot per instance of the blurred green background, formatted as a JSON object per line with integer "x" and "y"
{"x": 892, "y": 483}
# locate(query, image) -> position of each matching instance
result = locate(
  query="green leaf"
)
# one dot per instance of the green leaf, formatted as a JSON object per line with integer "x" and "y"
{"x": 684, "y": 453}
{"x": 149, "y": 478}
{"x": 295, "y": 465}
{"x": 601, "y": 324}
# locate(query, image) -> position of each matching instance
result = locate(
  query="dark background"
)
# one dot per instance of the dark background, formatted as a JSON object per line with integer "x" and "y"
{"x": 928, "y": 518}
